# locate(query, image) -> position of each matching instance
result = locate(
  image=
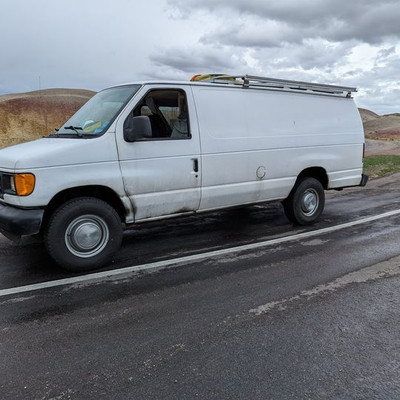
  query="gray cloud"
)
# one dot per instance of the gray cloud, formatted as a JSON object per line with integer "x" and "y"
{"x": 73, "y": 43}
{"x": 365, "y": 20}
{"x": 194, "y": 58}
{"x": 311, "y": 54}
{"x": 184, "y": 62}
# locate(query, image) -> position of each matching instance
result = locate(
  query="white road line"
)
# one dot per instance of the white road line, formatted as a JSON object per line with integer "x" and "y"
{"x": 188, "y": 259}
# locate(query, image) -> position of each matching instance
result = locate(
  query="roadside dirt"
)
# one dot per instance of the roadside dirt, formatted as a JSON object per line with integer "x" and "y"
{"x": 382, "y": 147}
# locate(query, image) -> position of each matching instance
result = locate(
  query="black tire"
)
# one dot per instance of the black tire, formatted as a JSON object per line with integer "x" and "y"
{"x": 83, "y": 234}
{"x": 306, "y": 202}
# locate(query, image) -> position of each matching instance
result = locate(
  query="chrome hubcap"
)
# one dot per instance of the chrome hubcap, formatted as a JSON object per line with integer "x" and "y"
{"x": 309, "y": 202}
{"x": 87, "y": 236}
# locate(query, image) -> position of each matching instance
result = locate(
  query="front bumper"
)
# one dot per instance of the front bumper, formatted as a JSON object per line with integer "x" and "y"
{"x": 17, "y": 222}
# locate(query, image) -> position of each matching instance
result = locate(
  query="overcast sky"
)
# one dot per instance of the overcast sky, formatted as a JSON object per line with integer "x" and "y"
{"x": 92, "y": 44}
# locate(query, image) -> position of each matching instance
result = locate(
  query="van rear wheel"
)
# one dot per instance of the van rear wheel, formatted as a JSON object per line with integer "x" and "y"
{"x": 83, "y": 234}
{"x": 305, "y": 202}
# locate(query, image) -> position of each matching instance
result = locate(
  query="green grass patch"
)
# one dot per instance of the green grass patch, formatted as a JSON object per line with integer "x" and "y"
{"x": 377, "y": 166}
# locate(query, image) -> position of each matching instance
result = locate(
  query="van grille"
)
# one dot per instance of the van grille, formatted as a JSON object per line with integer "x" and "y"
{"x": 4, "y": 184}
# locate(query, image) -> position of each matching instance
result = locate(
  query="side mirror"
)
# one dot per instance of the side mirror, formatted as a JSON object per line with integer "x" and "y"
{"x": 136, "y": 128}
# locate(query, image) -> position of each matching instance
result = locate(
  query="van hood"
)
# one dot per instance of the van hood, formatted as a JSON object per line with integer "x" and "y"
{"x": 51, "y": 152}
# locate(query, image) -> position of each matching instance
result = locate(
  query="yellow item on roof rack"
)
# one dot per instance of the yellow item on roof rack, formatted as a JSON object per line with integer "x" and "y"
{"x": 205, "y": 77}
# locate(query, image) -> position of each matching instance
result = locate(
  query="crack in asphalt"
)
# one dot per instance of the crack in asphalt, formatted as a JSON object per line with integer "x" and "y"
{"x": 378, "y": 271}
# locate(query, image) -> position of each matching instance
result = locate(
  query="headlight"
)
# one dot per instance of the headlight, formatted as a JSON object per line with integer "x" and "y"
{"x": 21, "y": 184}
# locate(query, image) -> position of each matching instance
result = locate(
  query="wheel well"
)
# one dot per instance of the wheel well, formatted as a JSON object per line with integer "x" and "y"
{"x": 317, "y": 173}
{"x": 100, "y": 192}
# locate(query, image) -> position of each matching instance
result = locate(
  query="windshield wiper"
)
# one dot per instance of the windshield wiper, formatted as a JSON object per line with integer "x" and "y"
{"x": 53, "y": 134}
{"x": 75, "y": 129}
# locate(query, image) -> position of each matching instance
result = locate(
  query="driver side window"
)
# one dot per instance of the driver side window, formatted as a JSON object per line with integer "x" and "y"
{"x": 167, "y": 112}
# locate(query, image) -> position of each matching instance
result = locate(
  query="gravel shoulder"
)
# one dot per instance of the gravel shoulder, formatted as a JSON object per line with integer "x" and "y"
{"x": 382, "y": 147}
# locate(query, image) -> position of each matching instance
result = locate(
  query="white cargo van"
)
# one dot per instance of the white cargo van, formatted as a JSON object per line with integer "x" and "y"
{"x": 152, "y": 150}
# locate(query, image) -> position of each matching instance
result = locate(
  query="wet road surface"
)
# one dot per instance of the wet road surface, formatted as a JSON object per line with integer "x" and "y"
{"x": 307, "y": 318}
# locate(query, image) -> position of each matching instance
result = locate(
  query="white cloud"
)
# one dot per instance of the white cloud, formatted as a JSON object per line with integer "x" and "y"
{"x": 344, "y": 42}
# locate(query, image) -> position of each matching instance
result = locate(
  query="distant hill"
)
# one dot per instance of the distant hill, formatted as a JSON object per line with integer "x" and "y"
{"x": 383, "y": 127}
{"x": 28, "y": 116}
{"x": 367, "y": 115}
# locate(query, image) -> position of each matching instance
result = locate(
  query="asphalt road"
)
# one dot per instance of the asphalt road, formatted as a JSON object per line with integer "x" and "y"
{"x": 302, "y": 313}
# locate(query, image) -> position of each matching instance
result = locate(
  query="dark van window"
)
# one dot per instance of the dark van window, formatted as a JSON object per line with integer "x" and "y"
{"x": 167, "y": 111}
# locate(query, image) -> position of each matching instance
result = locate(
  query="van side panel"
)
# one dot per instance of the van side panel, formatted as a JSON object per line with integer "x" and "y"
{"x": 256, "y": 142}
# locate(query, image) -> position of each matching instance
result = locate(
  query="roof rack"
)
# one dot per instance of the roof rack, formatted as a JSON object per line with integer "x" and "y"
{"x": 248, "y": 81}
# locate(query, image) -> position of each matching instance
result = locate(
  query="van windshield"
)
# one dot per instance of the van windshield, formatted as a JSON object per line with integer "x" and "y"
{"x": 95, "y": 116}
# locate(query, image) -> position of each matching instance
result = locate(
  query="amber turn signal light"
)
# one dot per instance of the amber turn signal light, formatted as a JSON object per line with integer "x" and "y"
{"x": 24, "y": 184}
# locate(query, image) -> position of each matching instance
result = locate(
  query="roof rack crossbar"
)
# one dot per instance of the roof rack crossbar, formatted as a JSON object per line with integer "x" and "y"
{"x": 259, "y": 81}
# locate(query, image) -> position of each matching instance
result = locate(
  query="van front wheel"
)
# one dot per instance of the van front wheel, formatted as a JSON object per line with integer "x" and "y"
{"x": 83, "y": 234}
{"x": 306, "y": 202}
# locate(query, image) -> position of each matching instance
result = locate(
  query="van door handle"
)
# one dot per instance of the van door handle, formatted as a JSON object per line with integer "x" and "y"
{"x": 195, "y": 165}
